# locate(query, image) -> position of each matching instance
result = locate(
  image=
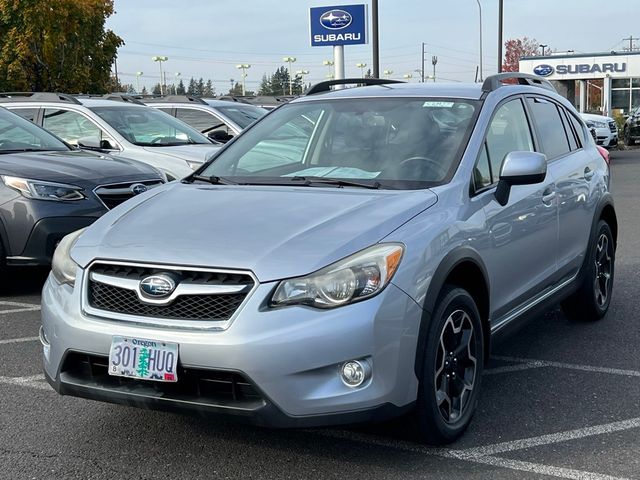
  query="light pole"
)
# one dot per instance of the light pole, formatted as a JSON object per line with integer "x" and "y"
{"x": 243, "y": 67}
{"x": 500, "y": 24}
{"x": 408, "y": 76}
{"x": 160, "y": 59}
{"x": 543, "y": 47}
{"x": 138, "y": 75}
{"x": 387, "y": 73}
{"x": 361, "y": 66}
{"x": 480, "y": 10}
{"x": 175, "y": 83}
{"x": 301, "y": 74}
{"x": 290, "y": 60}
{"x": 329, "y": 63}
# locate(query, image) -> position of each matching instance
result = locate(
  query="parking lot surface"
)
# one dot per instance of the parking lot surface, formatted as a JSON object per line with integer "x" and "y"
{"x": 560, "y": 399}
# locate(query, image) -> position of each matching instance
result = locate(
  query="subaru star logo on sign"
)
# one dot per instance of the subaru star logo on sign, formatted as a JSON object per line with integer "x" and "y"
{"x": 338, "y": 25}
{"x": 157, "y": 286}
{"x": 543, "y": 70}
{"x": 336, "y": 19}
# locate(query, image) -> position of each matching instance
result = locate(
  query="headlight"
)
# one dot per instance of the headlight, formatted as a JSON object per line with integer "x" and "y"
{"x": 62, "y": 266}
{"x": 194, "y": 165}
{"x": 601, "y": 125}
{"x": 44, "y": 190}
{"x": 354, "y": 278}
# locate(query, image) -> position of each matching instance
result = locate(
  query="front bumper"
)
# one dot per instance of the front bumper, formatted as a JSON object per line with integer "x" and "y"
{"x": 606, "y": 138}
{"x": 290, "y": 357}
{"x": 44, "y": 238}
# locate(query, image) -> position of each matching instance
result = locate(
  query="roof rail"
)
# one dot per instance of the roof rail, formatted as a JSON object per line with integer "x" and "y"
{"x": 325, "y": 86}
{"x": 122, "y": 97}
{"x": 175, "y": 99}
{"x": 234, "y": 98}
{"x": 38, "y": 97}
{"x": 496, "y": 81}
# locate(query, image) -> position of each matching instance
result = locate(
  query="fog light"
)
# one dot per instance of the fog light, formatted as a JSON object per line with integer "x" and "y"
{"x": 354, "y": 373}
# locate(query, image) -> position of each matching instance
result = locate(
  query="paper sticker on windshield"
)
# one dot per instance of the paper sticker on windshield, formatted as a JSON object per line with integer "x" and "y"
{"x": 438, "y": 104}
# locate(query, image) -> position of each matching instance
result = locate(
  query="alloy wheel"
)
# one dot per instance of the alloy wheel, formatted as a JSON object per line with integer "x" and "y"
{"x": 603, "y": 269}
{"x": 456, "y": 366}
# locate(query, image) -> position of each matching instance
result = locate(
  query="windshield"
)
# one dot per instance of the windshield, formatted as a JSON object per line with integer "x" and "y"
{"x": 243, "y": 115}
{"x": 387, "y": 142}
{"x": 148, "y": 127}
{"x": 20, "y": 135}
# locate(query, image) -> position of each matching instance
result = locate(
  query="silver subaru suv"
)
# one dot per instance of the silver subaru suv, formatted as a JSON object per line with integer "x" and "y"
{"x": 349, "y": 257}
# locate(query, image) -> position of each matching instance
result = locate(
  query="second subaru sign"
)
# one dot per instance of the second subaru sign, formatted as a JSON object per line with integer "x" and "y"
{"x": 341, "y": 25}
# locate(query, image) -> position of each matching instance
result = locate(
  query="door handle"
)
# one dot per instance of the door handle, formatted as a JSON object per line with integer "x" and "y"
{"x": 588, "y": 174}
{"x": 547, "y": 196}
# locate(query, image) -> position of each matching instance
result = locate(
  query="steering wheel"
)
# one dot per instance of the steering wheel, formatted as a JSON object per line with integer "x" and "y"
{"x": 431, "y": 164}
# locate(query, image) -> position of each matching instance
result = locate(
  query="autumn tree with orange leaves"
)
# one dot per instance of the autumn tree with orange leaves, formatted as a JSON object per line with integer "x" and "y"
{"x": 56, "y": 45}
{"x": 517, "y": 48}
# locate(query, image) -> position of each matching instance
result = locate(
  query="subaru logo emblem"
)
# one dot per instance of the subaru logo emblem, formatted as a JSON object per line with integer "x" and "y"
{"x": 157, "y": 286}
{"x": 138, "y": 188}
{"x": 336, "y": 19}
{"x": 543, "y": 70}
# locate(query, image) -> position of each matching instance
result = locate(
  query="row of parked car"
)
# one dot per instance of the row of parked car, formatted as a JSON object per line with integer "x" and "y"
{"x": 87, "y": 154}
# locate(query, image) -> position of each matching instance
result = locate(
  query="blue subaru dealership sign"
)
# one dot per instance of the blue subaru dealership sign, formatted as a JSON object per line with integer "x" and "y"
{"x": 342, "y": 25}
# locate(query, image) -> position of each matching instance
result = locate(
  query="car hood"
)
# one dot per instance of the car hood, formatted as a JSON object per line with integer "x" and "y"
{"x": 596, "y": 118}
{"x": 75, "y": 167}
{"x": 193, "y": 153}
{"x": 276, "y": 232}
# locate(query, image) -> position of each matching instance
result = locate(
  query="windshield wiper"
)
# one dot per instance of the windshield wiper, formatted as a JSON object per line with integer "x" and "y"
{"x": 309, "y": 181}
{"x": 211, "y": 179}
{"x": 20, "y": 150}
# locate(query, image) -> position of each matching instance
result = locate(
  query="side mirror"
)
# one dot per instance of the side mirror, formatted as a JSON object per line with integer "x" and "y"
{"x": 90, "y": 142}
{"x": 107, "y": 144}
{"x": 520, "y": 168}
{"x": 219, "y": 136}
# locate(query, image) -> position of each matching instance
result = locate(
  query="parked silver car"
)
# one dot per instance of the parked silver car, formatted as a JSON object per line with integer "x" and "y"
{"x": 118, "y": 125}
{"x": 350, "y": 257}
{"x": 606, "y": 129}
{"x": 220, "y": 120}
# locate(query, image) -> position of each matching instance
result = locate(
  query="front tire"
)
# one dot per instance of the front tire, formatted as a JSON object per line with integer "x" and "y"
{"x": 593, "y": 297}
{"x": 452, "y": 368}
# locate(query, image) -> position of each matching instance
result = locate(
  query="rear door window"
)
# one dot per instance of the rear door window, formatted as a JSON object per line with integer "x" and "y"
{"x": 552, "y": 136}
{"x": 27, "y": 113}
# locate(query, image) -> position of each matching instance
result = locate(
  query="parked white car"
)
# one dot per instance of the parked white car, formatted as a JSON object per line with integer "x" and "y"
{"x": 118, "y": 125}
{"x": 605, "y": 127}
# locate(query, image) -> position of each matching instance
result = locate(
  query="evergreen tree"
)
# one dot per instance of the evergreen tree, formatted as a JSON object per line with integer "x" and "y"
{"x": 144, "y": 91}
{"x": 200, "y": 87}
{"x": 236, "y": 90}
{"x": 192, "y": 87}
{"x": 209, "y": 90}
{"x": 181, "y": 89}
{"x": 265, "y": 86}
{"x": 156, "y": 89}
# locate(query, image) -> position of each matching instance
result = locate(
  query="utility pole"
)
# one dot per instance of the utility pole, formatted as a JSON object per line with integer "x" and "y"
{"x": 422, "y": 70}
{"x": 480, "y": 25}
{"x": 243, "y": 67}
{"x": 500, "y": 15}
{"x": 631, "y": 39}
{"x": 434, "y": 61}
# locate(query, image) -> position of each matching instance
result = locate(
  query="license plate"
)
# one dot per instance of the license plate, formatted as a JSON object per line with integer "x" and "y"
{"x": 143, "y": 359}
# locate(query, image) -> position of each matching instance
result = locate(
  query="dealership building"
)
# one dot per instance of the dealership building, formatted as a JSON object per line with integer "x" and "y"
{"x": 616, "y": 74}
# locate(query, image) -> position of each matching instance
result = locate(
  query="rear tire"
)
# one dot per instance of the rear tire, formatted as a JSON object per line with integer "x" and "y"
{"x": 452, "y": 368}
{"x": 593, "y": 297}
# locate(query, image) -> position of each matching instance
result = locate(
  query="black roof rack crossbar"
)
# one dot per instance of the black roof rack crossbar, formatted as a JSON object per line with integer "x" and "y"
{"x": 175, "y": 99}
{"x": 496, "y": 81}
{"x": 326, "y": 85}
{"x": 38, "y": 97}
{"x": 122, "y": 97}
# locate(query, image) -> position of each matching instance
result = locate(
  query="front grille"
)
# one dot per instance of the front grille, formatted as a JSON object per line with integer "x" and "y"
{"x": 185, "y": 307}
{"x": 118, "y": 299}
{"x": 613, "y": 127}
{"x": 113, "y": 195}
{"x": 215, "y": 387}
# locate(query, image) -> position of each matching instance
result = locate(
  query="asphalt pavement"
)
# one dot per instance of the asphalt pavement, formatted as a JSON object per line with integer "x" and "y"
{"x": 560, "y": 399}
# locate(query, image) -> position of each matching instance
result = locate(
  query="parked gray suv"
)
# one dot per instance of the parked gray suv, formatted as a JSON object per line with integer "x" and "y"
{"x": 350, "y": 257}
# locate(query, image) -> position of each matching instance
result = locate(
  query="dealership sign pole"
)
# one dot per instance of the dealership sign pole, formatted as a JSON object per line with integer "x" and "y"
{"x": 336, "y": 27}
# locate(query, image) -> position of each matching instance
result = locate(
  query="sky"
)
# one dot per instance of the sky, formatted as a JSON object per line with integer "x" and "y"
{"x": 208, "y": 38}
